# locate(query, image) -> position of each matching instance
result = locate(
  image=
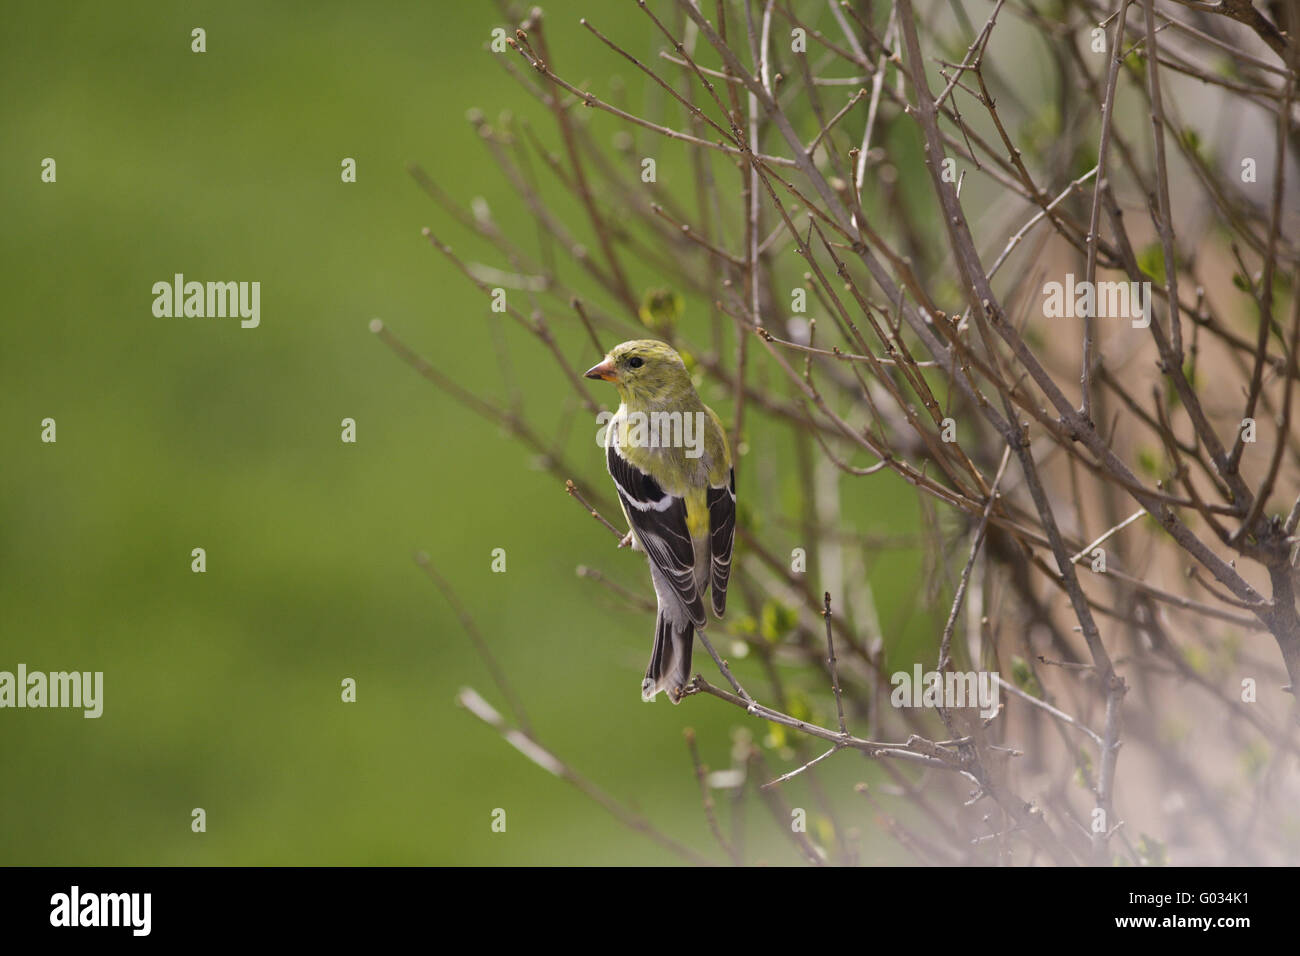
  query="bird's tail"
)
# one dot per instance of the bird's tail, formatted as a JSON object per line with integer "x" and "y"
{"x": 670, "y": 661}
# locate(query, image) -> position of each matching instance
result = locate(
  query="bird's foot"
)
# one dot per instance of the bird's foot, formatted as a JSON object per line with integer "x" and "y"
{"x": 629, "y": 541}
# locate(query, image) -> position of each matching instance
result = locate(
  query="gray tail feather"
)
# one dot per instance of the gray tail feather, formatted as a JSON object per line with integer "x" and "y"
{"x": 670, "y": 661}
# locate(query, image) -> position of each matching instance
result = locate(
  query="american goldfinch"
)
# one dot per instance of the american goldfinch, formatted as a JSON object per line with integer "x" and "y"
{"x": 667, "y": 453}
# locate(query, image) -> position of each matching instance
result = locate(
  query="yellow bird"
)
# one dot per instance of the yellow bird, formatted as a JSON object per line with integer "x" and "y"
{"x": 667, "y": 453}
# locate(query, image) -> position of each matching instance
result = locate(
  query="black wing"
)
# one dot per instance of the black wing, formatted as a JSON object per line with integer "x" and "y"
{"x": 659, "y": 520}
{"x": 722, "y": 535}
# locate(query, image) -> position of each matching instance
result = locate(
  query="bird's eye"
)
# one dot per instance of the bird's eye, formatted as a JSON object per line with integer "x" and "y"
{"x": 635, "y": 362}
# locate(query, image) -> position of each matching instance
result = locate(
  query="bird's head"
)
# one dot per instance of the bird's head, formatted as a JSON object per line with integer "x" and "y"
{"x": 644, "y": 371}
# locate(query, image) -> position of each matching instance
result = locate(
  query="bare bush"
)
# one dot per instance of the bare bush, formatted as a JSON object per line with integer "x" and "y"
{"x": 1065, "y": 313}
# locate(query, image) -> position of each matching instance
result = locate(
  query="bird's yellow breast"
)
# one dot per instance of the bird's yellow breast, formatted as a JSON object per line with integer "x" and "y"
{"x": 697, "y": 512}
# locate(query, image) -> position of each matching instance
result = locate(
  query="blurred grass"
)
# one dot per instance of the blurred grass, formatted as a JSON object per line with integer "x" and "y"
{"x": 222, "y": 689}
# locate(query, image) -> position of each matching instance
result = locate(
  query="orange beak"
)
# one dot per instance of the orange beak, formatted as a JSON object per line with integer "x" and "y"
{"x": 604, "y": 371}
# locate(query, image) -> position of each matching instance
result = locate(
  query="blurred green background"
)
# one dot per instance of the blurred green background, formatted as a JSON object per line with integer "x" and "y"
{"x": 222, "y": 690}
